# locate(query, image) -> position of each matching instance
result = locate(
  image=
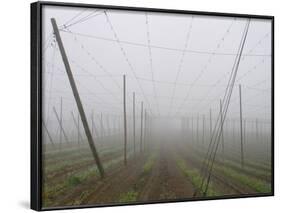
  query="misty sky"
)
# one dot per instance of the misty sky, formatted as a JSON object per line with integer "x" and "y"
{"x": 178, "y": 65}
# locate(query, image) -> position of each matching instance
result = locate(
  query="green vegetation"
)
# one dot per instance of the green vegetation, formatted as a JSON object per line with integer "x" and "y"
{"x": 247, "y": 180}
{"x": 195, "y": 177}
{"x": 148, "y": 164}
{"x": 129, "y": 196}
{"x": 53, "y": 190}
{"x": 73, "y": 181}
{"x": 254, "y": 183}
{"x": 232, "y": 169}
{"x": 85, "y": 175}
{"x": 256, "y": 172}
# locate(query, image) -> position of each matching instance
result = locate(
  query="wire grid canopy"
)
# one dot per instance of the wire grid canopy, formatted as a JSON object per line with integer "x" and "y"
{"x": 177, "y": 64}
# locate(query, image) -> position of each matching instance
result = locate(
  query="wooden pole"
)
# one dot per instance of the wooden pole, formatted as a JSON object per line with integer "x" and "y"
{"x": 188, "y": 128}
{"x": 197, "y": 130}
{"x": 192, "y": 130}
{"x": 233, "y": 130}
{"x": 125, "y": 120}
{"x": 134, "y": 123}
{"x": 203, "y": 133}
{"x": 211, "y": 130}
{"x": 245, "y": 134}
{"x": 48, "y": 133}
{"x": 257, "y": 131}
{"x": 141, "y": 136}
{"x": 182, "y": 128}
{"x": 222, "y": 139}
{"x": 241, "y": 128}
{"x": 77, "y": 98}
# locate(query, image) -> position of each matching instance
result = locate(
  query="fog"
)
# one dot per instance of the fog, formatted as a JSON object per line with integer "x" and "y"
{"x": 177, "y": 65}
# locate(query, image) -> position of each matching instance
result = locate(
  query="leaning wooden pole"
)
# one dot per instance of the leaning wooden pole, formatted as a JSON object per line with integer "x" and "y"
{"x": 48, "y": 133}
{"x": 125, "y": 120}
{"x": 77, "y": 98}
{"x": 241, "y": 128}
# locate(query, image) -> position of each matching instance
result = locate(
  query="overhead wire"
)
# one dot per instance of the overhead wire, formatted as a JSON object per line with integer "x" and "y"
{"x": 187, "y": 38}
{"x": 126, "y": 58}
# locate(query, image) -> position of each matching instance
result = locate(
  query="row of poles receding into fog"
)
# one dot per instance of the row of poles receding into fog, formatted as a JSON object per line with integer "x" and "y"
{"x": 143, "y": 123}
{"x": 191, "y": 125}
{"x": 101, "y": 132}
{"x": 88, "y": 131}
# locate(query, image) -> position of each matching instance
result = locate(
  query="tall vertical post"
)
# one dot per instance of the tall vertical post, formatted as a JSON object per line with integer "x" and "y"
{"x": 182, "y": 128}
{"x": 222, "y": 139}
{"x": 77, "y": 98}
{"x": 192, "y": 136}
{"x": 257, "y": 131}
{"x": 241, "y": 128}
{"x": 134, "y": 123}
{"x": 233, "y": 130}
{"x": 141, "y": 136}
{"x": 245, "y": 134}
{"x": 211, "y": 123}
{"x": 125, "y": 120}
{"x": 197, "y": 130}
{"x": 187, "y": 124}
{"x": 203, "y": 130}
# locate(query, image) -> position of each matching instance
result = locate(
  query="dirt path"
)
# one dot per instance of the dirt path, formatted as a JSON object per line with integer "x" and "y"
{"x": 113, "y": 186}
{"x": 166, "y": 181}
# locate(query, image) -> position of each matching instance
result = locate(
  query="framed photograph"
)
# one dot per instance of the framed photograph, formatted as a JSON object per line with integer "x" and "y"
{"x": 139, "y": 105}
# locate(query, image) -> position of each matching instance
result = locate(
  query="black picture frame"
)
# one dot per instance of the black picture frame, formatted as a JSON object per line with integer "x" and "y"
{"x": 36, "y": 98}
